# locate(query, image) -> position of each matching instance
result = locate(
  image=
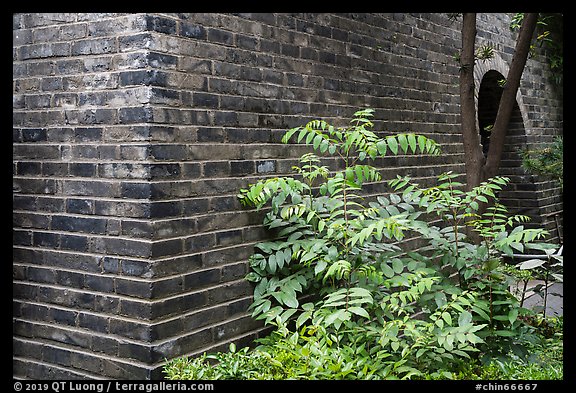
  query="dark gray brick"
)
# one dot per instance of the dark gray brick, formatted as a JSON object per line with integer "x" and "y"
{"x": 132, "y": 134}
{"x": 134, "y": 42}
{"x": 160, "y": 24}
{"x": 99, "y": 283}
{"x": 79, "y": 206}
{"x": 241, "y": 168}
{"x": 69, "y": 278}
{"x": 82, "y": 169}
{"x": 75, "y": 243}
{"x": 205, "y": 100}
{"x": 192, "y": 30}
{"x": 220, "y": 36}
{"x": 216, "y": 169}
{"x": 96, "y": 323}
{"x": 46, "y": 239}
{"x": 165, "y": 96}
{"x": 143, "y": 77}
{"x": 28, "y": 168}
{"x": 93, "y": 46}
{"x": 134, "y": 248}
{"x": 166, "y": 248}
{"x": 201, "y": 279}
{"x": 169, "y": 152}
{"x": 79, "y": 224}
{"x": 88, "y": 134}
{"x": 136, "y": 190}
{"x": 137, "y": 229}
{"x": 135, "y": 115}
{"x": 162, "y": 60}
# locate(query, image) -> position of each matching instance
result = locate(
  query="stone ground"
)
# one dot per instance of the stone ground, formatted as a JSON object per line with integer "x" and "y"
{"x": 554, "y": 301}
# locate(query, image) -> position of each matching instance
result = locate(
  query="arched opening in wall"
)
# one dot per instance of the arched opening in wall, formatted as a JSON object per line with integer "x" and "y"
{"x": 520, "y": 195}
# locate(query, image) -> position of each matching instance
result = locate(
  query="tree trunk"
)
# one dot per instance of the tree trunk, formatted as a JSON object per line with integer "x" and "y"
{"x": 479, "y": 168}
{"x": 474, "y": 159}
{"x": 508, "y": 99}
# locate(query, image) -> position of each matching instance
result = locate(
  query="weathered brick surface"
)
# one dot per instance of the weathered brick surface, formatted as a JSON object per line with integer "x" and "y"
{"x": 132, "y": 134}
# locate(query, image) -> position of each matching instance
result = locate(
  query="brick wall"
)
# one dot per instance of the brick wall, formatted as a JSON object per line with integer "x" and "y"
{"x": 536, "y": 120}
{"x": 134, "y": 132}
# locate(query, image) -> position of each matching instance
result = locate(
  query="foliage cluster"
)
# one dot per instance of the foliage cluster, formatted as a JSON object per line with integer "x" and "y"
{"x": 550, "y": 35}
{"x": 544, "y": 363}
{"x": 546, "y": 161}
{"x": 345, "y": 300}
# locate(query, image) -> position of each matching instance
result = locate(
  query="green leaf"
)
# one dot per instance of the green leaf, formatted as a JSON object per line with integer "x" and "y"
{"x": 482, "y": 198}
{"x": 285, "y": 316}
{"x": 387, "y": 270}
{"x": 340, "y": 269}
{"x": 395, "y": 199}
{"x": 431, "y": 147}
{"x": 441, "y": 339}
{"x": 288, "y": 134}
{"x": 440, "y": 299}
{"x": 272, "y": 263}
{"x": 505, "y": 333}
{"x": 412, "y": 142}
{"x": 403, "y": 142}
{"x": 303, "y": 318}
{"x": 359, "y": 170}
{"x": 317, "y": 140}
{"x": 398, "y": 266}
{"x": 512, "y": 315}
{"x": 309, "y": 137}
{"x": 465, "y": 318}
{"x": 449, "y": 344}
{"x": 289, "y": 298}
{"x": 381, "y": 147}
{"x": 262, "y": 307}
{"x": 481, "y": 312}
{"x": 360, "y": 295}
{"x": 461, "y": 337}
{"x": 359, "y": 311}
{"x": 321, "y": 225}
{"x": 392, "y": 144}
{"x": 531, "y": 264}
{"x": 286, "y": 257}
{"x": 301, "y": 134}
{"x": 422, "y": 143}
{"x": 337, "y": 318}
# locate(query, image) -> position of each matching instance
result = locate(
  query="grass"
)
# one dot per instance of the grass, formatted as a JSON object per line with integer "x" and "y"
{"x": 545, "y": 362}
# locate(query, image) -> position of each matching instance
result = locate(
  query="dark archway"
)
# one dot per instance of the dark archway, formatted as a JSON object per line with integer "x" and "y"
{"x": 519, "y": 197}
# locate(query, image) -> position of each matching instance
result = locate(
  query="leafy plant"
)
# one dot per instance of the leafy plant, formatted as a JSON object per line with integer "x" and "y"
{"x": 320, "y": 247}
{"x": 550, "y": 35}
{"x": 341, "y": 254}
{"x": 545, "y": 360}
{"x": 345, "y": 300}
{"x": 241, "y": 364}
{"x": 549, "y": 267}
{"x": 546, "y": 161}
{"x": 479, "y": 268}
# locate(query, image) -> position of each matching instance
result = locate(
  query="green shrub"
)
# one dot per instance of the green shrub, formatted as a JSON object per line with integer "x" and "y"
{"x": 346, "y": 301}
{"x": 546, "y": 161}
{"x": 545, "y": 361}
{"x": 236, "y": 365}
